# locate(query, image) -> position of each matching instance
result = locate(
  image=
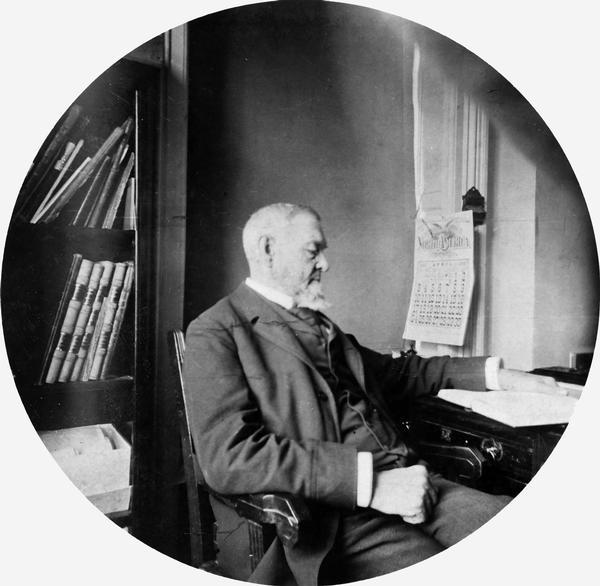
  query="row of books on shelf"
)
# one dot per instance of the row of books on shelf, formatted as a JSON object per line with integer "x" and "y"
{"x": 82, "y": 180}
{"x": 88, "y": 321}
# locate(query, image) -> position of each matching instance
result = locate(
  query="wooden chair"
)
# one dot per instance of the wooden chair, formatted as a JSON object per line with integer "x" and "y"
{"x": 266, "y": 515}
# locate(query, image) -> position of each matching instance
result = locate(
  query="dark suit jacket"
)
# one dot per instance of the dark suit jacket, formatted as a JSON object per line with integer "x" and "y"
{"x": 264, "y": 419}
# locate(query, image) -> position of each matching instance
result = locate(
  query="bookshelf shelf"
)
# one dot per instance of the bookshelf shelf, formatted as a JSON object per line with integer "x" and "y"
{"x": 32, "y": 239}
{"x": 75, "y": 404}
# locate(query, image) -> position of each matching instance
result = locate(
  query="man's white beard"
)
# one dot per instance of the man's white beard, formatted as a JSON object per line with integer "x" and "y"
{"x": 312, "y": 296}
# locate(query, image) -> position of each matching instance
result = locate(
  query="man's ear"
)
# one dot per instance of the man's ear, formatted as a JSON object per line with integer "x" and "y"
{"x": 265, "y": 246}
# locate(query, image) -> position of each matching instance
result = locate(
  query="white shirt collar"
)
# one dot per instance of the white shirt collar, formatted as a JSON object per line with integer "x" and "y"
{"x": 271, "y": 294}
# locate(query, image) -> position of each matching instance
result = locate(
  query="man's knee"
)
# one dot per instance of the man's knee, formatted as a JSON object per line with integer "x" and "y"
{"x": 460, "y": 511}
{"x": 372, "y": 544}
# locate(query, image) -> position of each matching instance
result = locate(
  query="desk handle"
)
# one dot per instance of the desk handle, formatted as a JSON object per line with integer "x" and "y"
{"x": 492, "y": 449}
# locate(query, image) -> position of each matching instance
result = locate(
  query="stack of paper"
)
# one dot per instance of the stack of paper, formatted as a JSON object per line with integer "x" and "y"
{"x": 514, "y": 408}
{"x": 96, "y": 459}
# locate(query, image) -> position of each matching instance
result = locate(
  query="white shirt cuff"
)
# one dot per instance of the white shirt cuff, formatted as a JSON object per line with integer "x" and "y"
{"x": 364, "y": 480}
{"x": 492, "y": 365}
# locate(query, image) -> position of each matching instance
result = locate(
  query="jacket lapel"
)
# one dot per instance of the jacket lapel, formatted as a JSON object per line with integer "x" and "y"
{"x": 274, "y": 324}
{"x": 270, "y": 321}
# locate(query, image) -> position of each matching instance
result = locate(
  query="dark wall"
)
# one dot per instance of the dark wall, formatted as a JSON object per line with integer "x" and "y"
{"x": 310, "y": 102}
{"x": 307, "y": 103}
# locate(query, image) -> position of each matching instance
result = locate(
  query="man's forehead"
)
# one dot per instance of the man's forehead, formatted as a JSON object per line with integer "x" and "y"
{"x": 307, "y": 227}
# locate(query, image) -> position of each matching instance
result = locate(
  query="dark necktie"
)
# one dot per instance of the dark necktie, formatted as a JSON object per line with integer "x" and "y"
{"x": 313, "y": 319}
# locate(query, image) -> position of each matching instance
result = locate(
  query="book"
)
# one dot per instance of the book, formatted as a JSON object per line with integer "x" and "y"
{"x": 87, "y": 365}
{"x": 104, "y": 322}
{"x": 59, "y": 194}
{"x": 92, "y": 192}
{"x": 129, "y": 214}
{"x": 97, "y": 214}
{"x": 514, "y": 408}
{"x": 46, "y": 160}
{"x": 69, "y": 321}
{"x": 101, "y": 346}
{"x": 118, "y": 319}
{"x": 115, "y": 202}
{"x": 81, "y": 324}
{"x": 57, "y": 169}
{"x": 52, "y": 209}
{"x": 72, "y": 153}
{"x": 60, "y": 314}
{"x": 103, "y": 288}
{"x": 64, "y": 158}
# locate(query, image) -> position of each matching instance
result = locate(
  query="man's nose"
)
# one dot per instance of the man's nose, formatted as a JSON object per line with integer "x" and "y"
{"x": 322, "y": 263}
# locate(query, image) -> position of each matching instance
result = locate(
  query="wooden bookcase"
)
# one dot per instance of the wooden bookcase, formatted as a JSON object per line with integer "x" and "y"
{"x": 36, "y": 263}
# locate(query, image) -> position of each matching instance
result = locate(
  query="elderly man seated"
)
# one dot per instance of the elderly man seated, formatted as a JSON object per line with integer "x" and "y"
{"x": 281, "y": 399}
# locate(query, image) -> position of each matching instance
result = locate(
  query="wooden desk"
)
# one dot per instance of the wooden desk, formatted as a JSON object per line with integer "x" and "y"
{"x": 510, "y": 457}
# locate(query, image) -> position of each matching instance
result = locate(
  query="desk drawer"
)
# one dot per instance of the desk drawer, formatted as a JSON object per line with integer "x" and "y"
{"x": 503, "y": 459}
{"x": 511, "y": 456}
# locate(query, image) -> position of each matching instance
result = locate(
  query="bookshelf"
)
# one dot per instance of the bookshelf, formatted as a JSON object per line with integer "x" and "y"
{"x": 38, "y": 256}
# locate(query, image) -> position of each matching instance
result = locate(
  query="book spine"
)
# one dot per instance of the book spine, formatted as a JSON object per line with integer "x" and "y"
{"x": 70, "y": 319}
{"x": 103, "y": 288}
{"x": 125, "y": 133}
{"x": 60, "y": 199}
{"x": 63, "y": 161}
{"x": 49, "y": 199}
{"x": 112, "y": 299}
{"x": 60, "y": 165}
{"x": 94, "y": 220}
{"x": 97, "y": 159}
{"x": 118, "y": 195}
{"x": 119, "y": 316}
{"x": 59, "y": 316}
{"x": 82, "y": 319}
{"x": 129, "y": 215}
{"x": 107, "y": 145}
{"x": 87, "y": 365}
{"x": 59, "y": 202}
{"x": 103, "y": 339}
{"x": 93, "y": 190}
{"x": 114, "y": 136}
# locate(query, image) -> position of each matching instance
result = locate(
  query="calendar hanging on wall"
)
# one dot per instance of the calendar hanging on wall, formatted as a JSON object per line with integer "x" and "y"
{"x": 443, "y": 279}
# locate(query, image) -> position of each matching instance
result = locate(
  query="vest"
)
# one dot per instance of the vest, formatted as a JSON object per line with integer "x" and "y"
{"x": 361, "y": 423}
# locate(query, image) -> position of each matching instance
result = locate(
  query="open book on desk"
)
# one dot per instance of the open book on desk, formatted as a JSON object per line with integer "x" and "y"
{"x": 514, "y": 408}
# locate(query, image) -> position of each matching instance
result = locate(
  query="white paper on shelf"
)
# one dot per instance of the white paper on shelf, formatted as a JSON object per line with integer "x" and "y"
{"x": 96, "y": 459}
{"x": 83, "y": 440}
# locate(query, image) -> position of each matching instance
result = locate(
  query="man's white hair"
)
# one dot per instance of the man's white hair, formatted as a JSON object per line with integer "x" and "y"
{"x": 268, "y": 221}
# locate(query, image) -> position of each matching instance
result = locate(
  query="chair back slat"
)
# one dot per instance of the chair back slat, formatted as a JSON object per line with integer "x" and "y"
{"x": 199, "y": 511}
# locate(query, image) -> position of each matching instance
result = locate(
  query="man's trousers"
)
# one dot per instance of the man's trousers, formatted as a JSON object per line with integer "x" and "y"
{"x": 371, "y": 544}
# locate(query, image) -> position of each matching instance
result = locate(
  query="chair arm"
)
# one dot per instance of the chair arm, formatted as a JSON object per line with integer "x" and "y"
{"x": 288, "y": 513}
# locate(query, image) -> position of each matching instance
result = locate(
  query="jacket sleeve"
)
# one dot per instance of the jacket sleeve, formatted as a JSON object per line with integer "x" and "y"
{"x": 237, "y": 455}
{"x": 406, "y": 378}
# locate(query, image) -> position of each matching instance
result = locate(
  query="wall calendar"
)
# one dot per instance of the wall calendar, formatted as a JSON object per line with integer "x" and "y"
{"x": 443, "y": 279}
